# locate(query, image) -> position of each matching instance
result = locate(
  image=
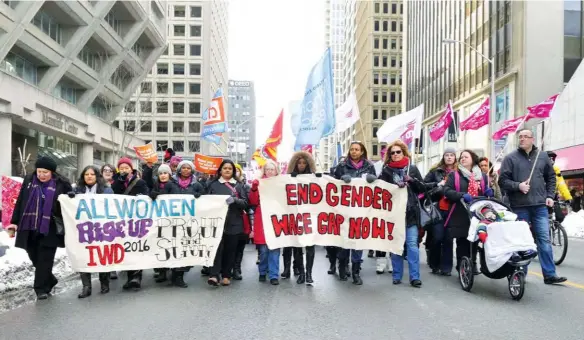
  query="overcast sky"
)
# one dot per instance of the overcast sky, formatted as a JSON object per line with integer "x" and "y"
{"x": 275, "y": 43}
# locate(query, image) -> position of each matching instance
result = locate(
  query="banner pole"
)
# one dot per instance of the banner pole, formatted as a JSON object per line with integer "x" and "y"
{"x": 508, "y": 139}
{"x": 538, "y": 151}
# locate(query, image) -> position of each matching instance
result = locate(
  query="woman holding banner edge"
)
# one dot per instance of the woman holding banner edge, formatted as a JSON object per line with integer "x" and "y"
{"x": 398, "y": 170}
{"x": 356, "y": 165}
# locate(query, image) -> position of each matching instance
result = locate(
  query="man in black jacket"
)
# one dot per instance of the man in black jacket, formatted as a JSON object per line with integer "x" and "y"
{"x": 529, "y": 197}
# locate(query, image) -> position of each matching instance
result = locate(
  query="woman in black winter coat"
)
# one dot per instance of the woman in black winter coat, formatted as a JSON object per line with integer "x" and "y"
{"x": 356, "y": 165}
{"x": 38, "y": 222}
{"x": 471, "y": 183}
{"x": 438, "y": 240}
{"x": 127, "y": 182}
{"x": 398, "y": 170}
{"x": 227, "y": 184}
{"x": 91, "y": 182}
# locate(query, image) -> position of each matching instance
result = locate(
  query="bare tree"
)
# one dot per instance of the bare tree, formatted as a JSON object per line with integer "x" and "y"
{"x": 23, "y": 159}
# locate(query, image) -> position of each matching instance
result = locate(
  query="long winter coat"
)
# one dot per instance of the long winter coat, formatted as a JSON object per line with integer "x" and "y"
{"x": 140, "y": 188}
{"x": 414, "y": 188}
{"x": 235, "y": 213}
{"x": 52, "y": 240}
{"x": 433, "y": 177}
{"x": 346, "y": 167}
{"x": 459, "y": 221}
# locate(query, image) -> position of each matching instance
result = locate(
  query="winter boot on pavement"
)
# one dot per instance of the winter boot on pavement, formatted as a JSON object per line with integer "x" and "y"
{"x": 136, "y": 280}
{"x": 86, "y": 282}
{"x": 161, "y": 277}
{"x": 287, "y": 263}
{"x": 343, "y": 269}
{"x": 356, "y": 268}
{"x": 178, "y": 279}
{"x": 113, "y": 275}
{"x": 381, "y": 263}
{"x": 104, "y": 279}
{"x": 333, "y": 267}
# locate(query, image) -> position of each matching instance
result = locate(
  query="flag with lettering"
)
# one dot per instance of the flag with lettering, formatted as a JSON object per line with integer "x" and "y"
{"x": 347, "y": 114}
{"x": 439, "y": 128}
{"x": 214, "y": 119}
{"x": 509, "y": 126}
{"x": 479, "y": 118}
{"x": 543, "y": 109}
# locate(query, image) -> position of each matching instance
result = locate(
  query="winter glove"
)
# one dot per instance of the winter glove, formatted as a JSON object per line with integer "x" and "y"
{"x": 294, "y": 174}
{"x": 467, "y": 198}
{"x": 489, "y": 192}
{"x": 346, "y": 178}
{"x": 370, "y": 178}
{"x": 483, "y": 237}
{"x": 255, "y": 184}
{"x": 230, "y": 200}
{"x": 154, "y": 194}
{"x": 401, "y": 185}
{"x": 318, "y": 174}
{"x": 71, "y": 194}
{"x": 197, "y": 194}
{"x": 122, "y": 177}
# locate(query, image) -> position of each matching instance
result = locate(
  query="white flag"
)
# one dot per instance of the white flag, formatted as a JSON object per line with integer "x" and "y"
{"x": 397, "y": 127}
{"x": 347, "y": 114}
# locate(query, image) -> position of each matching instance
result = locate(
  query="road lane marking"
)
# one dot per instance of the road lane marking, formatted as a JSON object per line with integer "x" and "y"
{"x": 566, "y": 283}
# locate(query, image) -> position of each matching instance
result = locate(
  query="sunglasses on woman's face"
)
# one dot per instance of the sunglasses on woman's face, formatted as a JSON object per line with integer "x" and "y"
{"x": 398, "y": 152}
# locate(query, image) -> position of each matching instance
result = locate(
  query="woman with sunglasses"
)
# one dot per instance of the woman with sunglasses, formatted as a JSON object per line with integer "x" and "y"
{"x": 398, "y": 170}
{"x": 356, "y": 165}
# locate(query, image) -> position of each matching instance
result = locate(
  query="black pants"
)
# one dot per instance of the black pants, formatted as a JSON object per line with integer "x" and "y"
{"x": 225, "y": 257}
{"x": 42, "y": 259}
{"x": 333, "y": 253}
{"x": 86, "y": 278}
{"x": 134, "y": 274}
{"x": 243, "y": 239}
{"x": 463, "y": 249}
{"x": 287, "y": 254}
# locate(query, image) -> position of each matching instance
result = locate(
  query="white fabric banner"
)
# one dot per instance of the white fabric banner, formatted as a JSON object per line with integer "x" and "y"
{"x": 347, "y": 114}
{"x": 115, "y": 232}
{"x": 307, "y": 210}
{"x": 398, "y": 127}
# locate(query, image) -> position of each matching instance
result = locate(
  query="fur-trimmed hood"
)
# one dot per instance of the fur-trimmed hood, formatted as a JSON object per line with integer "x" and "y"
{"x": 301, "y": 154}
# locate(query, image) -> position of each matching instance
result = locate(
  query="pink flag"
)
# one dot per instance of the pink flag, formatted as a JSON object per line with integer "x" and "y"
{"x": 438, "y": 130}
{"x": 509, "y": 126}
{"x": 307, "y": 148}
{"x": 408, "y": 136}
{"x": 543, "y": 109}
{"x": 10, "y": 191}
{"x": 478, "y": 119}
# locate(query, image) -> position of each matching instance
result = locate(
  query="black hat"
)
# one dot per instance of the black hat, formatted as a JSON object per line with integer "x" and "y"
{"x": 46, "y": 163}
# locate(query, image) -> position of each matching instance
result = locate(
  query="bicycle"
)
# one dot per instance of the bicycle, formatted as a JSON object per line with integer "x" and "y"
{"x": 558, "y": 236}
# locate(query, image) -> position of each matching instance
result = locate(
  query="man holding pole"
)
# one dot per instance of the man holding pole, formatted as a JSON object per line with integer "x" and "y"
{"x": 528, "y": 177}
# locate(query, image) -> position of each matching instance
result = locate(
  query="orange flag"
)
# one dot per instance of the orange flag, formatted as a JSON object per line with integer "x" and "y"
{"x": 269, "y": 150}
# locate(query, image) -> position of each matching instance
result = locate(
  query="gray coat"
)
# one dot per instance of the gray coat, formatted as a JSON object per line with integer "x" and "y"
{"x": 516, "y": 168}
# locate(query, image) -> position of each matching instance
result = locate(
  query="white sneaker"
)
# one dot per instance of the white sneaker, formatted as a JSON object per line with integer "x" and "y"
{"x": 381, "y": 264}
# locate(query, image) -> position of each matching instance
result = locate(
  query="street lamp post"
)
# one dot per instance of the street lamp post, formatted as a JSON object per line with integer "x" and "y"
{"x": 492, "y": 99}
{"x": 237, "y": 126}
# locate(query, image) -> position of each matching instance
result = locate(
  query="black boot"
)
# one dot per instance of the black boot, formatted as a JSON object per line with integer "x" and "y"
{"x": 333, "y": 267}
{"x": 343, "y": 270}
{"x": 162, "y": 275}
{"x": 206, "y": 271}
{"x": 296, "y": 271}
{"x": 301, "y": 278}
{"x": 104, "y": 282}
{"x": 136, "y": 281}
{"x": 113, "y": 275}
{"x": 309, "y": 280}
{"x": 287, "y": 264}
{"x": 371, "y": 254}
{"x": 356, "y": 268}
{"x": 86, "y": 282}
{"x": 178, "y": 279}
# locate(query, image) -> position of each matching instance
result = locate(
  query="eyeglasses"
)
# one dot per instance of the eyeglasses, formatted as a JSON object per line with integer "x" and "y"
{"x": 398, "y": 152}
{"x": 525, "y": 137}
{"x": 107, "y": 170}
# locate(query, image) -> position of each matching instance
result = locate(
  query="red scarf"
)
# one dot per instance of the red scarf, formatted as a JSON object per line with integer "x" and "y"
{"x": 399, "y": 164}
{"x": 473, "y": 187}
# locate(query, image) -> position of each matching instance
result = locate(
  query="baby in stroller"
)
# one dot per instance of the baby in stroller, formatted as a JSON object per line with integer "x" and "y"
{"x": 486, "y": 214}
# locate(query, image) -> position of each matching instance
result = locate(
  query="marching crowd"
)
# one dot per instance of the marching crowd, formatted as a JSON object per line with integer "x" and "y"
{"x": 37, "y": 219}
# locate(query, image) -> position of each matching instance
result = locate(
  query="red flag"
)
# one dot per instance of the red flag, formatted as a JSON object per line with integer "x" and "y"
{"x": 269, "y": 150}
{"x": 307, "y": 148}
{"x": 478, "y": 119}
{"x": 509, "y": 126}
{"x": 438, "y": 130}
{"x": 543, "y": 109}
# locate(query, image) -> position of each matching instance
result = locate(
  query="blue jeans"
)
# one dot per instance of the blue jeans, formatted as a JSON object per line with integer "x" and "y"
{"x": 539, "y": 219}
{"x": 413, "y": 252}
{"x": 269, "y": 261}
{"x": 356, "y": 255}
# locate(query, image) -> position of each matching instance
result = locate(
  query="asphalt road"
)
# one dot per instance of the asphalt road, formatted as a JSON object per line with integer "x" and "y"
{"x": 329, "y": 310}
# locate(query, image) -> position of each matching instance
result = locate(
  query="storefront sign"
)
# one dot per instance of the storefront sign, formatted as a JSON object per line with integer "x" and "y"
{"x": 239, "y": 83}
{"x": 59, "y": 122}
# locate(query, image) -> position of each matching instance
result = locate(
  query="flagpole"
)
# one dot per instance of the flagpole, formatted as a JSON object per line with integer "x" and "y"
{"x": 507, "y": 142}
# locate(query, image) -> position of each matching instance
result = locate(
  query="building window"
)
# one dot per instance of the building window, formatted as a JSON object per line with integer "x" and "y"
{"x": 178, "y": 145}
{"x": 375, "y": 97}
{"x": 194, "y": 88}
{"x": 179, "y": 11}
{"x": 384, "y": 61}
{"x": 195, "y": 127}
{"x": 178, "y": 127}
{"x": 375, "y": 78}
{"x": 393, "y": 8}
{"x": 195, "y": 30}
{"x": 161, "y": 126}
{"x": 179, "y": 49}
{"x": 161, "y": 107}
{"x": 178, "y": 69}
{"x": 377, "y": 7}
{"x": 375, "y": 149}
{"x": 375, "y": 114}
{"x": 376, "y": 61}
{"x": 374, "y": 132}
{"x": 375, "y": 43}
{"x": 385, "y": 26}
{"x": 384, "y": 79}
{"x": 195, "y": 69}
{"x": 196, "y": 11}
{"x": 178, "y": 107}
{"x": 195, "y": 108}
{"x": 393, "y": 62}
{"x": 130, "y": 107}
{"x": 392, "y": 97}
{"x": 393, "y": 44}
{"x": 179, "y": 30}
{"x": 384, "y": 114}
{"x": 162, "y": 68}
{"x": 385, "y": 43}
{"x": 194, "y": 146}
{"x": 394, "y": 26}
{"x": 376, "y": 25}
{"x": 161, "y": 145}
{"x": 146, "y": 106}
{"x": 162, "y": 88}
{"x": 145, "y": 126}
{"x": 146, "y": 87}
{"x": 384, "y": 97}
{"x": 178, "y": 88}
{"x": 48, "y": 25}
{"x": 20, "y": 67}
{"x": 195, "y": 50}
{"x": 392, "y": 80}
{"x": 114, "y": 23}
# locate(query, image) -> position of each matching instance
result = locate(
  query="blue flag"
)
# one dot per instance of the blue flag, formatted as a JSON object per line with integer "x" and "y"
{"x": 318, "y": 105}
{"x": 339, "y": 154}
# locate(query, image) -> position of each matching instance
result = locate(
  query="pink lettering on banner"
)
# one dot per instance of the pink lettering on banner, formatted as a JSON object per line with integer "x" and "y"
{"x": 408, "y": 136}
{"x": 509, "y": 126}
{"x": 543, "y": 109}
{"x": 10, "y": 191}
{"x": 438, "y": 130}
{"x": 478, "y": 119}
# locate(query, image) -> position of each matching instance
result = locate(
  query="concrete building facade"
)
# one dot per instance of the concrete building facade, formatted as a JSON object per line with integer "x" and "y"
{"x": 168, "y": 108}
{"x": 67, "y": 69}
{"x": 242, "y": 121}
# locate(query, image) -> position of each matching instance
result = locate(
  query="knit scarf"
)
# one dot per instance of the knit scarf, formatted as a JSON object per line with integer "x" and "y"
{"x": 37, "y": 212}
{"x": 357, "y": 165}
{"x": 161, "y": 185}
{"x": 398, "y": 170}
{"x": 91, "y": 190}
{"x": 474, "y": 179}
{"x": 184, "y": 182}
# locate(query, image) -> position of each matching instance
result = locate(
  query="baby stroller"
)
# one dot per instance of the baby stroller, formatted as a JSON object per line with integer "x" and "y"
{"x": 507, "y": 250}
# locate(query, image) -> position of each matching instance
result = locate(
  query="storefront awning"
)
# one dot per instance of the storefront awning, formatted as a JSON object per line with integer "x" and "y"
{"x": 570, "y": 159}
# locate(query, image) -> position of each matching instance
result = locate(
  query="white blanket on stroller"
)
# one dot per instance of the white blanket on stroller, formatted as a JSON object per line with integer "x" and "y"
{"x": 504, "y": 239}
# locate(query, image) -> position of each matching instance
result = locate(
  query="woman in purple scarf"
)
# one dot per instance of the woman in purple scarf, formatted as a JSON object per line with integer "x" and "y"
{"x": 356, "y": 165}
{"x": 38, "y": 222}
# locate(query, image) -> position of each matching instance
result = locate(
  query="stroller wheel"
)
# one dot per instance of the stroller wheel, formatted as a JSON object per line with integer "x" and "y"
{"x": 517, "y": 285}
{"x": 465, "y": 274}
